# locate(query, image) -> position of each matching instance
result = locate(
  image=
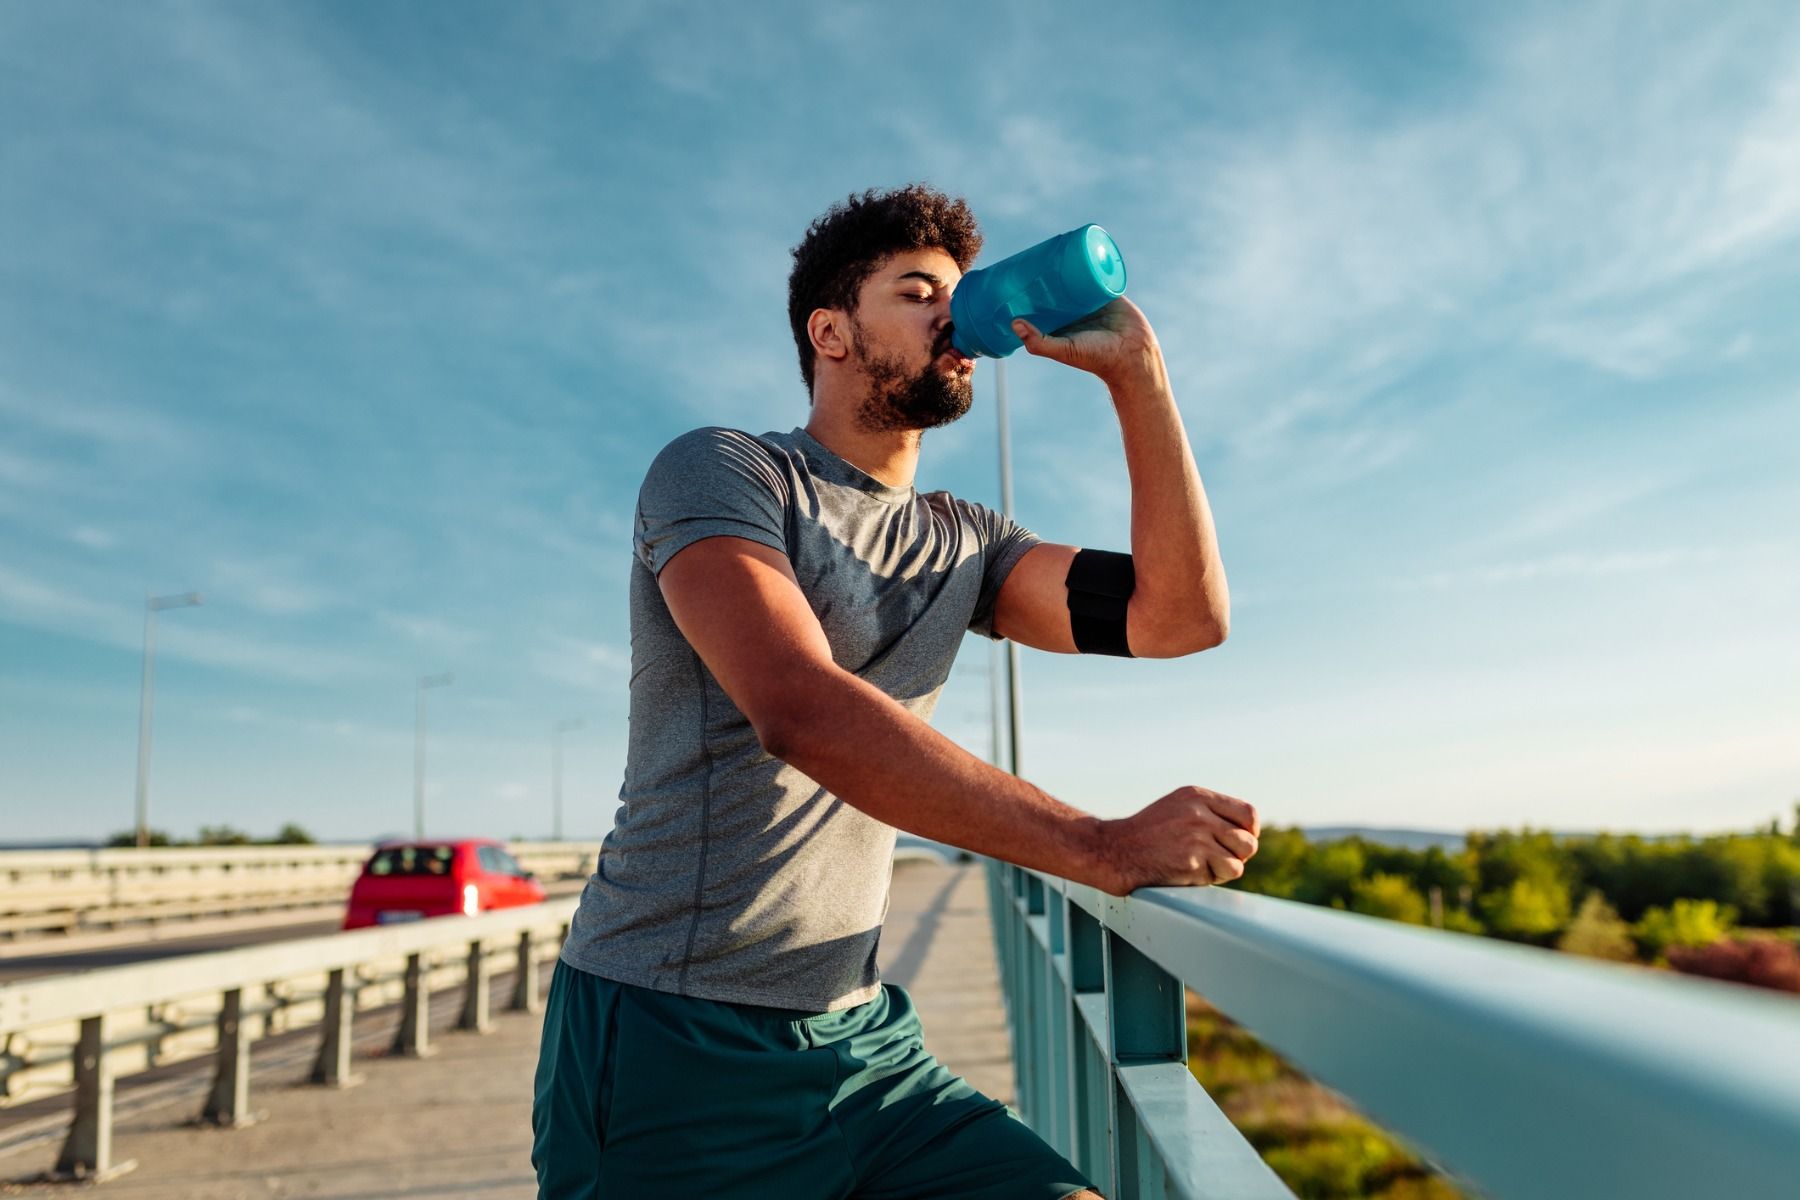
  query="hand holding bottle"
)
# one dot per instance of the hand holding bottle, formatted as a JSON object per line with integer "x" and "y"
{"x": 1116, "y": 344}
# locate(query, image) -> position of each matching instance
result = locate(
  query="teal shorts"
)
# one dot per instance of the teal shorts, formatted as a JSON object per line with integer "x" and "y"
{"x": 641, "y": 1095}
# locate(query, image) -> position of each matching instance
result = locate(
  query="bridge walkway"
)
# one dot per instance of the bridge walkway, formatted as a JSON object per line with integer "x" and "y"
{"x": 457, "y": 1124}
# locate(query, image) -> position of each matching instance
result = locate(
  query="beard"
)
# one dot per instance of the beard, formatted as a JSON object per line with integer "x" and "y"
{"x": 899, "y": 400}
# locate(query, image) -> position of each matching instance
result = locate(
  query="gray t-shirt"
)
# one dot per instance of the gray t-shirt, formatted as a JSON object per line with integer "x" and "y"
{"x": 729, "y": 875}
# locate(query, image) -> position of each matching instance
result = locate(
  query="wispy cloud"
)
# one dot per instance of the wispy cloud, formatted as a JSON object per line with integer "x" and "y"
{"x": 1565, "y": 566}
{"x": 580, "y": 663}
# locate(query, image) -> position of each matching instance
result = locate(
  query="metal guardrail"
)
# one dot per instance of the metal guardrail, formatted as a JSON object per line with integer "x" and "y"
{"x": 1529, "y": 1073}
{"x": 68, "y": 891}
{"x": 86, "y": 1030}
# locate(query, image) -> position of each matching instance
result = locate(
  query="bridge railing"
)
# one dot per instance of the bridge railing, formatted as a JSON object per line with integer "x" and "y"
{"x": 1524, "y": 1072}
{"x": 86, "y": 1030}
{"x": 66, "y": 891}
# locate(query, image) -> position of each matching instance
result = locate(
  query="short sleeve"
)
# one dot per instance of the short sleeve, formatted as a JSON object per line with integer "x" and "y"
{"x": 710, "y": 483}
{"x": 1003, "y": 543}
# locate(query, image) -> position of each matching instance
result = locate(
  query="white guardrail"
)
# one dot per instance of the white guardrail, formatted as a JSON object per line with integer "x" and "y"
{"x": 86, "y": 1030}
{"x": 73, "y": 891}
{"x": 1532, "y": 1074}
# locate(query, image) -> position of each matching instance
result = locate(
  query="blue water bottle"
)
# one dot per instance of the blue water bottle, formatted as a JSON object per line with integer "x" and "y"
{"x": 1053, "y": 284}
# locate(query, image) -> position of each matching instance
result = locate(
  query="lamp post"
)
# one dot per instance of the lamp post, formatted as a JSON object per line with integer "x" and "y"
{"x": 569, "y": 725}
{"x": 147, "y": 703}
{"x": 1014, "y": 715}
{"x": 426, "y": 683}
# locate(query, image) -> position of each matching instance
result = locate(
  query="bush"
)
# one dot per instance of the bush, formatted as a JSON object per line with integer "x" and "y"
{"x": 1598, "y": 932}
{"x": 1388, "y": 896}
{"x": 1762, "y": 962}
{"x": 1529, "y": 910}
{"x": 128, "y": 838}
{"x": 1683, "y": 923}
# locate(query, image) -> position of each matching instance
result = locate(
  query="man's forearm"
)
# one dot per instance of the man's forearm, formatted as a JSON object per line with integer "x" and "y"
{"x": 1181, "y": 603}
{"x": 862, "y": 746}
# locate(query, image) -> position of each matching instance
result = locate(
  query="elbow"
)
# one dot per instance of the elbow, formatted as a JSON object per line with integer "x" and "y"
{"x": 776, "y": 732}
{"x": 1191, "y": 635}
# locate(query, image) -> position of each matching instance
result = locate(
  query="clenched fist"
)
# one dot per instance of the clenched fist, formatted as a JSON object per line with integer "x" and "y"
{"x": 1190, "y": 836}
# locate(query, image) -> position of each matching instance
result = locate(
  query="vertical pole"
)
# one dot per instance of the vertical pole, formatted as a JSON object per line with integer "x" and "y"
{"x": 87, "y": 1151}
{"x": 419, "y": 764}
{"x": 414, "y": 1037}
{"x": 556, "y": 732}
{"x": 1013, "y": 701}
{"x": 475, "y": 991}
{"x": 229, "y": 1104}
{"x": 525, "y": 977}
{"x": 146, "y": 701}
{"x": 332, "y": 1067}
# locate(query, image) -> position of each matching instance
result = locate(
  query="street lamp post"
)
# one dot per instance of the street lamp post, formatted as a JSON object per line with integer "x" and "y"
{"x": 569, "y": 725}
{"x": 1014, "y": 715}
{"x": 147, "y": 703}
{"x": 426, "y": 683}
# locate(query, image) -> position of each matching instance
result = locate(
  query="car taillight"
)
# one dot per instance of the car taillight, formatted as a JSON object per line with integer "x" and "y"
{"x": 471, "y": 899}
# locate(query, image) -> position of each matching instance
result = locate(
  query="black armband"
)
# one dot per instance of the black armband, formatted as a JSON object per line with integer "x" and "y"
{"x": 1100, "y": 584}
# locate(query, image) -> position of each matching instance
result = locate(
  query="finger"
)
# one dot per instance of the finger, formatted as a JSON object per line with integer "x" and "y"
{"x": 1226, "y": 869}
{"x": 1035, "y": 342}
{"x": 1238, "y": 812}
{"x": 1238, "y": 843}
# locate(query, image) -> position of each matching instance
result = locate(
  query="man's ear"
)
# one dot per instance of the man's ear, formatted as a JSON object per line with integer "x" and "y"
{"x": 829, "y": 329}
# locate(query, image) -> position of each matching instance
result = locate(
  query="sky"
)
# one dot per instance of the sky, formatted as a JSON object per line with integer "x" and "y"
{"x": 364, "y": 320}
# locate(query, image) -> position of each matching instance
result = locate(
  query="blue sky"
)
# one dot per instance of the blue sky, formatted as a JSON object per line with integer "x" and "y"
{"x": 364, "y": 321}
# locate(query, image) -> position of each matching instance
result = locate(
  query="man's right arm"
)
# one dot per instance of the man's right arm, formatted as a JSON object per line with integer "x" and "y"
{"x": 738, "y": 604}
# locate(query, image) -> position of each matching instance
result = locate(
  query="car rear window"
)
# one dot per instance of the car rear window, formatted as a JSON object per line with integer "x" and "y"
{"x": 412, "y": 860}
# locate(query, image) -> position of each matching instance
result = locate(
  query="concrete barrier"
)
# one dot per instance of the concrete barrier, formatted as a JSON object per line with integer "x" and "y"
{"x": 85, "y": 1031}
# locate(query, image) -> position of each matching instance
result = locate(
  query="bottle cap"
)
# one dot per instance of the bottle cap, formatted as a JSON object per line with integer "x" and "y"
{"x": 1104, "y": 259}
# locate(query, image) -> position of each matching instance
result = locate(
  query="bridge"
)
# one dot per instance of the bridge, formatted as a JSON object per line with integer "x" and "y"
{"x": 1524, "y": 1073}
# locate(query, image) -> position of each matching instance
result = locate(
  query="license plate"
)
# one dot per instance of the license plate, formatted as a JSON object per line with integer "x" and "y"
{"x": 396, "y": 916}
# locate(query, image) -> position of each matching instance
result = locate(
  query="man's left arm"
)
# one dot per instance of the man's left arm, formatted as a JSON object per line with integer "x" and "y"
{"x": 1178, "y": 599}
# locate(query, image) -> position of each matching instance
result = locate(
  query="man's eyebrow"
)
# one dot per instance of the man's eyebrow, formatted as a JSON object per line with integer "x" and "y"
{"x": 927, "y": 276}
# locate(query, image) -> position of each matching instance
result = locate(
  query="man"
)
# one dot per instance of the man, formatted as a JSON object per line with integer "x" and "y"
{"x": 716, "y": 1026}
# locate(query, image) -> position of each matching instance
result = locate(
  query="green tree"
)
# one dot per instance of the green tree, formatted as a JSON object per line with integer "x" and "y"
{"x": 223, "y": 835}
{"x": 1683, "y": 923}
{"x": 1390, "y": 896}
{"x": 1329, "y": 873}
{"x": 1528, "y": 910}
{"x": 1279, "y": 863}
{"x": 292, "y": 834}
{"x": 1598, "y": 932}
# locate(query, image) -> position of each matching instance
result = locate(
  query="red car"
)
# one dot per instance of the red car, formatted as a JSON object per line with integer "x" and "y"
{"x": 407, "y": 881}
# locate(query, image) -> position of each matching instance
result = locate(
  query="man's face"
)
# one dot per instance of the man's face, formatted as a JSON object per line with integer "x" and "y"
{"x": 901, "y": 341}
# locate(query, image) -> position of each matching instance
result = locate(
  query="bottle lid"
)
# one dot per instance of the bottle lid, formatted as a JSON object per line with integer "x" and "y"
{"x": 1104, "y": 259}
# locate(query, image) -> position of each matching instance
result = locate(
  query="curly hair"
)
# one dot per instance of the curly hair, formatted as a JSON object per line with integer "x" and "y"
{"x": 843, "y": 247}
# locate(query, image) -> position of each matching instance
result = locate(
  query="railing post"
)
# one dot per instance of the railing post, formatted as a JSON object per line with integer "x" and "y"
{"x": 1147, "y": 1012}
{"x": 87, "y": 1151}
{"x": 332, "y": 1067}
{"x": 525, "y": 978}
{"x": 414, "y": 1037}
{"x": 1092, "y": 1117}
{"x": 475, "y": 991}
{"x": 1059, "y": 1012}
{"x": 1031, "y": 1005}
{"x": 229, "y": 1103}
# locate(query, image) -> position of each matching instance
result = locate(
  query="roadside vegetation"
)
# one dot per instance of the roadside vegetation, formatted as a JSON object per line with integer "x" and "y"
{"x": 289, "y": 834}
